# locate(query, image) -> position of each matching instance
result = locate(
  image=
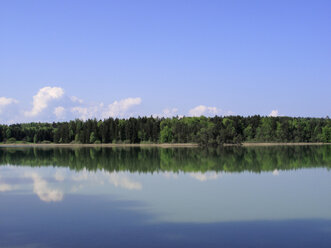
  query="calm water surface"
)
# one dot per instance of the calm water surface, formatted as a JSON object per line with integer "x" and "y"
{"x": 155, "y": 197}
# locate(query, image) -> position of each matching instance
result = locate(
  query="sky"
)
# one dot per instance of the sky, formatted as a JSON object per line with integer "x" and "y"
{"x": 61, "y": 60}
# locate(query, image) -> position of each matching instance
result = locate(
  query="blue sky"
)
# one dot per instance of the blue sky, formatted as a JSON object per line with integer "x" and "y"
{"x": 130, "y": 58}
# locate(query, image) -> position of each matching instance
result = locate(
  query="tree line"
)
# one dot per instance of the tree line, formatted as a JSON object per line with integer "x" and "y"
{"x": 203, "y": 130}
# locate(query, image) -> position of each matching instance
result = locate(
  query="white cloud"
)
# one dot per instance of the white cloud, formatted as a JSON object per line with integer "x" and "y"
{"x": 41, "y": 188}
{"x": 5, "y": 187}
{"x": 4, "y": 101}
{"x": 119, "y": 108}
{"x": 42, "y": 99}
{"x": 82, "y": 112}
{"x": 51, "y": 103}
{"x": 204, "y": 110}
{"x": 76, "y": 99}
{"x": 274, "y": 113}
{"x": 59, "y": 112}
{"x": 85, "y": 113}
{"x": 205, "y": 176}
{"x": 116, "y": 109}
{"x": 167, "y": 113}
{"x": 207, "y": 111}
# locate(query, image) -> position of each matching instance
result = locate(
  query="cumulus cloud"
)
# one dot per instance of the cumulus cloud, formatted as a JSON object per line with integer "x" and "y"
{"x": 76, "y": 99}
{"x": 59, "y": 112}
{"x": 167, "y": 113}
{"x": 85, "y": 113}
{"x": 51, "y": 103}
{"x": 40, "y": 187}
{"x": 4, "y": 102}
{"x": 42, "y": 99}
{"x": 274, "y": 113}
{"x": 207, "y": 110}
{"x": 205, "y": 176}
{"x": 204, "y": 110}
{"x": 120, "y": 108}
{"x": 116, "y": 109}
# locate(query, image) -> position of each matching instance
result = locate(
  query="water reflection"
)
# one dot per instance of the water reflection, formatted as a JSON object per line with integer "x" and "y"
{"x": 117, "y": 179}
{"x": 228, "y": 159}
{"x": 275, "y": 172}
{"x": 165, "y": 197}
{"x": 98, "y": 222}
{"x": 205, "y": 176}
{"x": 5, "y": 187}
{"x": 59, "y": 176}
{"x": 41, "y": 188}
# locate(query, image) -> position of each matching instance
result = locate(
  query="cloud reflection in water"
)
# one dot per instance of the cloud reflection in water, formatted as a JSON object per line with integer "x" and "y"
{"x": 40, "y": 187}
{"x": 117, "y": 179}
{"x": 5, "y": 187}
{"x": 202, "y": 177}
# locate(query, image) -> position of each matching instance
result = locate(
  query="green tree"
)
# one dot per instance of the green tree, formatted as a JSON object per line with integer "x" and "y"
{"x": 166, "y": 135}
{"x": 92, "y": 138}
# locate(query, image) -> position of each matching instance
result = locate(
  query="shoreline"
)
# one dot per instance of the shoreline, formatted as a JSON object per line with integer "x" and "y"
{"x": 247, "y": 144}
{"x": 165, "y": 145}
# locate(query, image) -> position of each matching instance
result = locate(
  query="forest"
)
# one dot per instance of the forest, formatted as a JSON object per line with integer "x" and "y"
{"x": 206, "y": 131}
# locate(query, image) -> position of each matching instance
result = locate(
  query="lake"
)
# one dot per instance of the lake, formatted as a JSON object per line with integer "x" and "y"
{"x": 165, "y": 197}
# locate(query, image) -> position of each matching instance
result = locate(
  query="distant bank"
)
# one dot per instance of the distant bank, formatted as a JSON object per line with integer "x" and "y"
{"x": 185, "y": 131}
